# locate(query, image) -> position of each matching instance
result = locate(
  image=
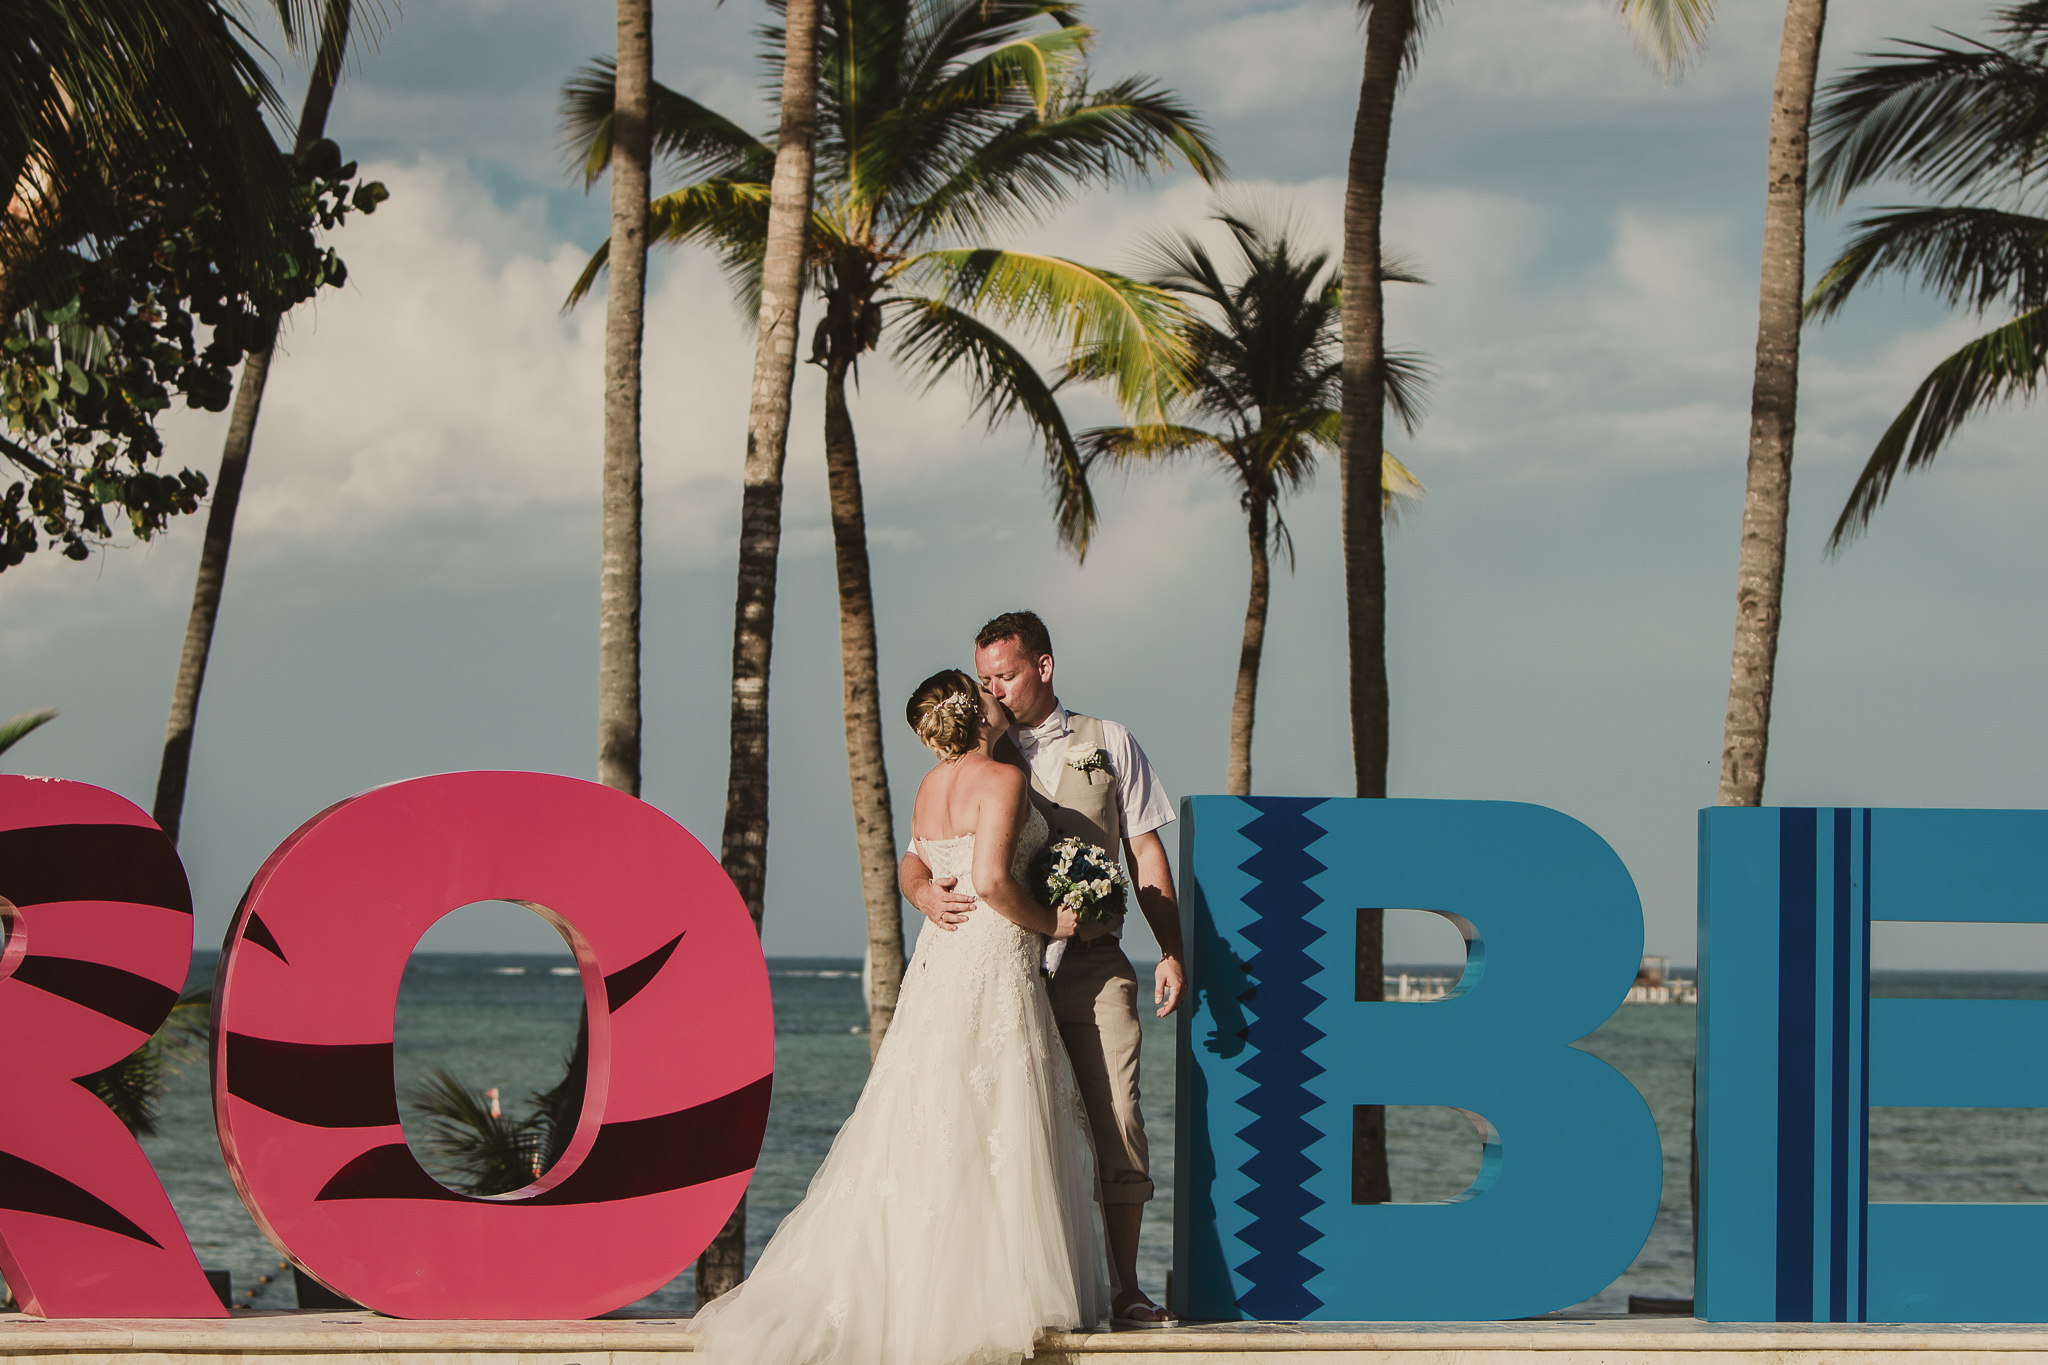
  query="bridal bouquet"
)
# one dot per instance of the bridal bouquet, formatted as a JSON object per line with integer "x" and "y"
{"x": 1081, "y": 877}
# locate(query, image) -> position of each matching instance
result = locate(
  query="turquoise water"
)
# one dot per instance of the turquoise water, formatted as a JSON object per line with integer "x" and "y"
{"x": 508, "y": 1021}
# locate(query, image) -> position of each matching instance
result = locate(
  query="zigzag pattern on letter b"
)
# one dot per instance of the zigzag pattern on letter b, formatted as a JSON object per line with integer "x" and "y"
{"x": 1280, "y": 1002}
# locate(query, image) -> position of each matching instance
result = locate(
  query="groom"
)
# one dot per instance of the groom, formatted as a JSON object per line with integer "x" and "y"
{"x": 1095, "y": 992}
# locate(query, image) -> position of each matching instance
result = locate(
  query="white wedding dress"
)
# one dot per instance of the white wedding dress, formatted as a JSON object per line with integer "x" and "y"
{"x": 955, "y": 1215}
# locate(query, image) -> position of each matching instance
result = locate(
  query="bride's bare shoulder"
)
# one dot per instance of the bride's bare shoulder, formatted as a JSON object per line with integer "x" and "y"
{"x": 985, "y": 776}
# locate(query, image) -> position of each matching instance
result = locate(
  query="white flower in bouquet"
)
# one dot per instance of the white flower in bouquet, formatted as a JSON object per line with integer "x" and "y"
{"x": 1078, "y": 876}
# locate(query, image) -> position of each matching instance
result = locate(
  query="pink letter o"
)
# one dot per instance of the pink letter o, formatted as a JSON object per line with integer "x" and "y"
{"x": 682, "y": 1047}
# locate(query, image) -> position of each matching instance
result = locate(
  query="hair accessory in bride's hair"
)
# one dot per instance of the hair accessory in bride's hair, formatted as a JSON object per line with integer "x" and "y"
{"x": 946, "y": 713}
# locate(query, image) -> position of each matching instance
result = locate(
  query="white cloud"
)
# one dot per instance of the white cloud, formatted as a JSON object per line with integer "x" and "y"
{"x": 445, "y": 384}
{"x": 1269, "y": 58}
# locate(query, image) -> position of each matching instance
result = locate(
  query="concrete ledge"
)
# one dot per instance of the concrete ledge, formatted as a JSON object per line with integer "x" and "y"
{"x": 314, "y": 1338}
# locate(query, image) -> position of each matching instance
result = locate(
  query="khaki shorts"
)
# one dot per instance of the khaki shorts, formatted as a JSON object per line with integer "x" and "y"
{"x": 1095, "y": 1003}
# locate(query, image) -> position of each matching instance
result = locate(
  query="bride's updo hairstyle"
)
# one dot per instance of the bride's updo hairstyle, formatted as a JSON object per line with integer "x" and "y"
{"x": 945, "y": 710}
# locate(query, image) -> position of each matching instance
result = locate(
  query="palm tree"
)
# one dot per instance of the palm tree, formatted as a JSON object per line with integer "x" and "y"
{"x": 477, "y": 1148}
{"x": 743, "y": 845}
{"x": 133, "y": 1088}
{"x": 939, "y": 120}
{"x": 1961, "y": 121}
{"x": 618, "y": 599}
{"x": 91, "y": 79}
{"x": 1266, "y": 366}
{"x": 1773, "y": 413}
{"x": 1668, "y": 30}
{"x": 176, "y": 764}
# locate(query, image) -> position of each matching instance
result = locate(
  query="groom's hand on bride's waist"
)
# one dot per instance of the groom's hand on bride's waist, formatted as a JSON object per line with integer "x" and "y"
{"x": 941, "y": 904}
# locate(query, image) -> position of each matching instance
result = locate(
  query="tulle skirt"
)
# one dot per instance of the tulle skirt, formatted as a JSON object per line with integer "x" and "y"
{"x": 955, "y": 1216}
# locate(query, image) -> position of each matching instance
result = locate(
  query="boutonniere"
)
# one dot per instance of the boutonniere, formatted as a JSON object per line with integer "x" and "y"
{"x": 1087, "y": 761}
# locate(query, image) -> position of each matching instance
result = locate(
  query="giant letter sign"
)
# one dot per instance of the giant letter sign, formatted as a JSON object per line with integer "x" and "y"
{"x": 98, "y": 936}
{"x": 1278, "y": 1050}
{"x": 681, "y": 1047}
{"x": 1793, "y": 1051}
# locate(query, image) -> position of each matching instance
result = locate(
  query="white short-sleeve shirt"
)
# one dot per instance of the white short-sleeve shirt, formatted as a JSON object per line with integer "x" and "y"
{"x": 1142, "y": 802}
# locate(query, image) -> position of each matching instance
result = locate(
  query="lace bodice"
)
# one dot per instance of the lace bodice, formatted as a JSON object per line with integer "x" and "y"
{"x": 955, "y": 857}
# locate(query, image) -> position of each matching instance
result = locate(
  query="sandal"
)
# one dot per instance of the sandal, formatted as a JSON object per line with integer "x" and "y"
{"x": 1125, "y": 1308}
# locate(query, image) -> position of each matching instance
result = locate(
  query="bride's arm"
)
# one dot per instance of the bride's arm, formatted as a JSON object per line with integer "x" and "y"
{"x": 1002, "y": 809}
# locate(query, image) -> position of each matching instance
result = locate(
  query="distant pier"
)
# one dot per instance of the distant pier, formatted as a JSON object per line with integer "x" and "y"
{"x": 1654, "y": 985}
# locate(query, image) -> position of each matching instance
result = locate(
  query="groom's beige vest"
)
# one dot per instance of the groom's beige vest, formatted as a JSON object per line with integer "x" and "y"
{"x": 1084, "y": 805}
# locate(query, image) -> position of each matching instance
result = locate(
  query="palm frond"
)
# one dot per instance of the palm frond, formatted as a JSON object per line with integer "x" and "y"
{"x": 904, "y": 153}
{"x": 697, "y": 142}
{"x": 481, "y": 1153}
{"x": 1668, "y": 32}
{"x": 1155, "y": 443}
{"x": 938, "y": 339}
{"x": 134, "y": 1087}
{"x": 1947, "y": 118}
{"x": 556, "y": 1112}
{"x": 1181, "y": 261}
{"x": 927, "y": 43}
{"x": 15, "y": 727}
{"x": 1423, "y": 14}
{"x": 1409, "y": 376}
{"x": 1035, "y": 64}
{"x": 1136, "y": 330}
{"x": 1399, "y": 268}
{"x": 1399, "y": 488}
{"x": 730, "y": 216}
{"x": 307, "y": 24}
{"x": 1037, "y": 164}
{"x": 87, "y": 85}
{"x": 187, "y": 1035}
{"x": 2005, "y": 363}
{"x": 1971, "y": 255}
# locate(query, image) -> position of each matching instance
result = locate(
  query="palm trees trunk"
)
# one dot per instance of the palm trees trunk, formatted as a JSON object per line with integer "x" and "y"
{"x": 1238, "y": 780}
{"x": 874, "y": 830}
{"x": 1773, "y": 412}
{"x": 1389, "y": 25}
{"x": 618, "y": 603}
{"x": 176, "y": 765}
{"x": 743, "y": 848}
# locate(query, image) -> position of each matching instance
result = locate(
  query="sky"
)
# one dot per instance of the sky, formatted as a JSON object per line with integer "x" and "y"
{"x": 414, "y": 581}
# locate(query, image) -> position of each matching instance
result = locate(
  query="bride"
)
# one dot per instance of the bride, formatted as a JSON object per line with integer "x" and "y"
{"x": 954, "y": 1217}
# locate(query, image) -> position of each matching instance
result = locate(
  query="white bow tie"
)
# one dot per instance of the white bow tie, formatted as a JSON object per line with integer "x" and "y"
{"x": 1053, "y": 727}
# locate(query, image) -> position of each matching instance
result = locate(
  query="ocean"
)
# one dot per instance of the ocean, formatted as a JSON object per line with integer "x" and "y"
{"x": 508, "y": 1021}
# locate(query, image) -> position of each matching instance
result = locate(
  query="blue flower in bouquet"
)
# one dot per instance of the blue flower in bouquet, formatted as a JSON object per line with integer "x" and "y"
{"x": 1082, "y": 877}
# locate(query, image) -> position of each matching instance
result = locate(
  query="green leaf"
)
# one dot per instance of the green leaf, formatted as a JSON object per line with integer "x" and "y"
{"x": 16, "y": 726}
{"x": 1669, "y": 32}
{"x": 1951, "y": 118}
{"x": 1974, "y": 256}
{"x": 938, "y": 340}
{"x": 1134, "y": 329}
{"x": 2006, "y": 363}
{"x": 696, "y": 141}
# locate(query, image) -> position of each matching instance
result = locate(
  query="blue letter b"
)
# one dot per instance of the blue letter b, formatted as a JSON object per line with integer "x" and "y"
{"x": 1278, "y": 1050}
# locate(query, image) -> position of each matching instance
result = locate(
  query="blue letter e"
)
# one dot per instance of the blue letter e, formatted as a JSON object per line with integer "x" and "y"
{"x": 1794, "y": 1052}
